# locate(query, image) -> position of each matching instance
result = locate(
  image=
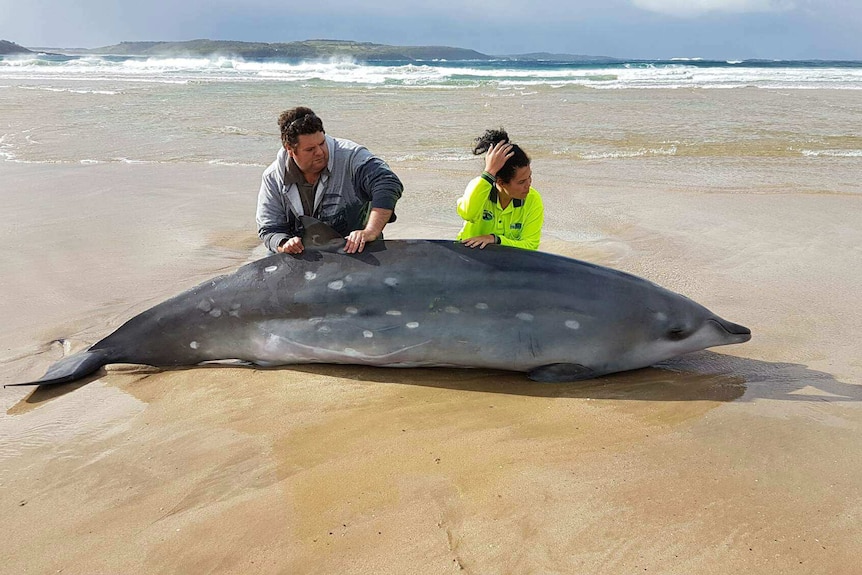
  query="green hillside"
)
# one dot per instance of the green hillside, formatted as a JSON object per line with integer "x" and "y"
{"x": 308, "y": 49}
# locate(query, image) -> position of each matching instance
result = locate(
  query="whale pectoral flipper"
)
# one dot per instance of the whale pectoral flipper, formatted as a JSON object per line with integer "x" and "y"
{"x": 561, "y": 372}
{"x": 73, "y": 367}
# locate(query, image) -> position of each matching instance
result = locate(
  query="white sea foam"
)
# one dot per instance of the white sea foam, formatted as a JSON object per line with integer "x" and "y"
{"x": 70, "y": 90}
{"x": 677, "y": 73}
{"x": 436, "y": 156}
{"x": 223, "y": 162}
{"x": 833, "y": 153}
{"x": 6, "y": 147}
{"x": 670, "y": 151}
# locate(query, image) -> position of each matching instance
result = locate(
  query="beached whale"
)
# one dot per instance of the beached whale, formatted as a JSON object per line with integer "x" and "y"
{"x": 411, "y": 303}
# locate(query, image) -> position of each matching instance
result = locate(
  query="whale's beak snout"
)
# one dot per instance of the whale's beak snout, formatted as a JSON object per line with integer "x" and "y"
{"x": 738, "y": 333}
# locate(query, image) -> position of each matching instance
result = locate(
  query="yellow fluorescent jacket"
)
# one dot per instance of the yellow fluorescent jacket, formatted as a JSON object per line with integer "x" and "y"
{"x": 519, "y": 225}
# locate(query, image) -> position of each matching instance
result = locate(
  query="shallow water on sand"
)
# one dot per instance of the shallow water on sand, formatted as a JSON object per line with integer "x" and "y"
{"x": 741, "y": 141}
{"x": 233, "y": 123}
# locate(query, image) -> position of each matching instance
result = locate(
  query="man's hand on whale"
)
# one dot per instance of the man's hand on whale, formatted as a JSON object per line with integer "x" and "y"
{"x": 291, "y": 246}
{"x": 377, "y": 220}
{"x": 357, "y": 239}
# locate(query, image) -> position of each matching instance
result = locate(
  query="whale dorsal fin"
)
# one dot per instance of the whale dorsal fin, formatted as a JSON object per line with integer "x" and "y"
{"x": 317, "y": 234}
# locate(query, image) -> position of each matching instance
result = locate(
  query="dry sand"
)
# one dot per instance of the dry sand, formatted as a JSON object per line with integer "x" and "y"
{"x": 743, "y": 459}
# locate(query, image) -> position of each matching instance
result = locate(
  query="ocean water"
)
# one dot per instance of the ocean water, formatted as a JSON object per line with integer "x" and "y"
{"x": 795, "y": 125}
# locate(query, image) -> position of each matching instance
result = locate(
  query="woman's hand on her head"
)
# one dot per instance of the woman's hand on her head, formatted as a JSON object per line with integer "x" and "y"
{"x": 496, "y": 157}
{"x": 480, "y": 241}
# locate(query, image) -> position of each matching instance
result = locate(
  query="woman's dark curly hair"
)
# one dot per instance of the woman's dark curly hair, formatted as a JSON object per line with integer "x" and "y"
{"x": 296, "y": 122}
{"x": 518, "y": 160}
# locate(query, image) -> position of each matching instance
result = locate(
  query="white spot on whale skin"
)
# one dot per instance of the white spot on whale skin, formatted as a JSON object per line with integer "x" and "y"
{"x": 393, "y": 312}
{"x": 573, "y": 324}
{"x": 310, "y": 275}
{"x": 216, "y": 313}
{"x": 271, "y": 269}
{"x": 413, "y": 324}
{"x": 272, "y": 343}
{"x": 315, "y": 320}
{"x": 351, "y": 352}
{"x": 524, "y": 316}
{"x": 205, "y": 306}
{"x": 481, "y": 306}
{"x": 351, "y": 310}
{"x": 367, "y": 334}
{"x": 391, "y": 282}
{"x": 336, "y": 285}
{"x": 452, "y": 309}
{"x": 324, "y": 329}
{"x": 194, "y": 345}
{"x": 660, "y": 316}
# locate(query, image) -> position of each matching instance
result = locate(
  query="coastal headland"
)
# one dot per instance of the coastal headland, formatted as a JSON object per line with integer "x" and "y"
{"x": 305, "y": 49}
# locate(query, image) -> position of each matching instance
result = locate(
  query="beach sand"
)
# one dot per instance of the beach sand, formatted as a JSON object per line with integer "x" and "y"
{"x": 741, "y": 459}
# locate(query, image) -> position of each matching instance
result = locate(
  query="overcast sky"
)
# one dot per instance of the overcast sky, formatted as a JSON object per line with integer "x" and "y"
{"x": 719, "y": 29}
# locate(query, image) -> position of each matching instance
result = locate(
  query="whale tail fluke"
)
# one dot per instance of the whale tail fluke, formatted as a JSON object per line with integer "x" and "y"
{"x": 72, "y": 367}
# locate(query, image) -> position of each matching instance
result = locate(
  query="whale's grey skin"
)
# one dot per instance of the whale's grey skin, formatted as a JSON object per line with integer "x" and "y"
{"x": 409, "y": 303}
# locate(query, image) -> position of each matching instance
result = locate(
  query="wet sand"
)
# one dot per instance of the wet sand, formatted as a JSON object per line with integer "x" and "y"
{"x": 742, "y": 459}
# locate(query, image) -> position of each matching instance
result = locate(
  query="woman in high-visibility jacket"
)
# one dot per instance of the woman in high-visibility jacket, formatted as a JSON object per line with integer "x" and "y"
{"x": 500, "y": 206}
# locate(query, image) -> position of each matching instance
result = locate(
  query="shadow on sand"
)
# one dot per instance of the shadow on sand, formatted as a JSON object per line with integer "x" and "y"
{"x": 700, "y": 376}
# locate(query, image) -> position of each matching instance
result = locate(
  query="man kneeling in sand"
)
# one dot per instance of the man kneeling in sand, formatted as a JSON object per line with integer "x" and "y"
{"x": 337, "y": 181}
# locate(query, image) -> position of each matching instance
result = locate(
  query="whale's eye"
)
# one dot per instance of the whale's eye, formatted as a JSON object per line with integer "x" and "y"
{"x": 676, "y": 333}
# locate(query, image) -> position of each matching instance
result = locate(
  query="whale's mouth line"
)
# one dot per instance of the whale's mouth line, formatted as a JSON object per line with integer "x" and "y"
{"x": 733, "y": 329}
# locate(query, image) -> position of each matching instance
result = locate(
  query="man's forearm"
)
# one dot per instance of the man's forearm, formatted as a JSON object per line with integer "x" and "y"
{"x": 377, "y": 220}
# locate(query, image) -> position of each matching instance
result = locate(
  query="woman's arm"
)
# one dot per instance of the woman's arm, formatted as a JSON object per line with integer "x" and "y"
{"x": 471, "y": 203}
